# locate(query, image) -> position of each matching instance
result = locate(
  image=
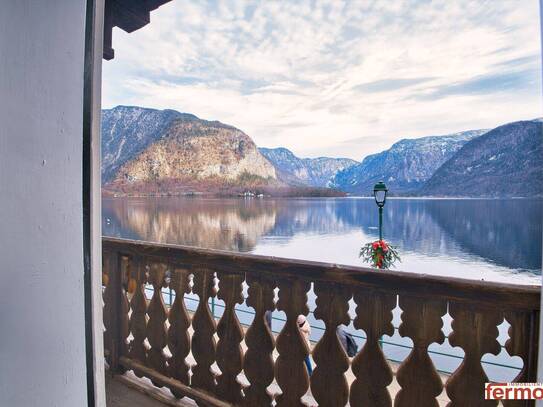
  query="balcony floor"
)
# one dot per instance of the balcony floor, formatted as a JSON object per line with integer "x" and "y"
{"x": 130, "y": 391}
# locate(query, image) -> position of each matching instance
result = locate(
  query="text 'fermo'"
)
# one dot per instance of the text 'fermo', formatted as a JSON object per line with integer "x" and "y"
{"x": 513, "y": 391}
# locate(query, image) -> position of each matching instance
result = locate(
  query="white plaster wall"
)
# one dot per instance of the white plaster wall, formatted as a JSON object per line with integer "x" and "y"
{"x": 96, "y": 206}
{"x": 42, "y": 336}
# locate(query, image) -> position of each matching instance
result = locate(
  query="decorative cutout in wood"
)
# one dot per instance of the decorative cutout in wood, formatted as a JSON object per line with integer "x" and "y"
{"x": 258, "y": 363}
{"x": 330, "y": 357}
{"x": 522, "y": 342}
{"x": 475, "y": 330}
{"x": 138, "y": 318}
{"x": 178, "y": 334}
{"x": 203, "y": 343}
{"x": 372, "y": 371}
{"x": 230, "y": 332}
{"x": 417, "y": 375}
{"x": 108, "y": 259}
{"x": 156, "y": 325}
{"x": 124, "y": 307}
{"x": 290, "y": 370}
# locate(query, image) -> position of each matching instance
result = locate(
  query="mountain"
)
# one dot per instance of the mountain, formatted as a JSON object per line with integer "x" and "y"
{"x": 504, "y": 162}
{"x": 128, "y": 130}
{"x": 405, "y": 166}
{"x": 143, "y": 148}
{"x": 316, "y": 172}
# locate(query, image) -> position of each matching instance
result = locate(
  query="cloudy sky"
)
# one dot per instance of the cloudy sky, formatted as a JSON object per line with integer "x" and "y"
{"x": 333, "y": 78}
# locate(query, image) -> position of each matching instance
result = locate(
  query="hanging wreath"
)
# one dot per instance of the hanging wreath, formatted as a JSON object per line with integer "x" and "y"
{"x": 379, "y": 254}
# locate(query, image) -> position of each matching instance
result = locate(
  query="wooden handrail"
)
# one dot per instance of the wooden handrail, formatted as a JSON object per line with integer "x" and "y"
{"x": 139, "y": 329}
{"x": 506, "y": 296}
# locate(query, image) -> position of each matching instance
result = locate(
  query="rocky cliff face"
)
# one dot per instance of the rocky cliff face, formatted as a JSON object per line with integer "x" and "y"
{"x": 316, "y": 172}
{"x": 128, "y": 130}
{"x": 405, "y": 167}
{"x": 505, "y": 162}
{"x": 149, "y": 146}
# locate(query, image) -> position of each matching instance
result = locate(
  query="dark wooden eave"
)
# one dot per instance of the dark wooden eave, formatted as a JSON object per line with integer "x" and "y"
{"x": 129, "y": 15}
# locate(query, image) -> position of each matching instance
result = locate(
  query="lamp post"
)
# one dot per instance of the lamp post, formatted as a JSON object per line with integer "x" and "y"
{"x": 380, "y": 194}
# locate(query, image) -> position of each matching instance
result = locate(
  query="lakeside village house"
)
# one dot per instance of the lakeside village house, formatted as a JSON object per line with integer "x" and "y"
{"x": 77, "y": 321}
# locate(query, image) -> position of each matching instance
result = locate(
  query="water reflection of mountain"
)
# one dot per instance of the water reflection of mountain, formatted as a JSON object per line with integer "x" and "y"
{"x": 506, "y": 232}
{"x": 409, "y": 225}
{"x": 211, "y": 223}
{"x": 227, "y": 224}
{"x": 316, "y": 216}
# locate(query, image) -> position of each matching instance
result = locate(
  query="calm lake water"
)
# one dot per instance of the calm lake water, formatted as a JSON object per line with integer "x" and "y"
{"x": 498, "y": 240}
{"x": 494, "y": 240}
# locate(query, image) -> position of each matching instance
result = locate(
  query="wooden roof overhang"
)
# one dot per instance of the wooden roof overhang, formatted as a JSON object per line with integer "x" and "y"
{"x": 129, "y": 15}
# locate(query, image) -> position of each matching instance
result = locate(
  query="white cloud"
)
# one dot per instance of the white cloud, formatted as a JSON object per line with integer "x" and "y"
{"x": 334, "y": 78}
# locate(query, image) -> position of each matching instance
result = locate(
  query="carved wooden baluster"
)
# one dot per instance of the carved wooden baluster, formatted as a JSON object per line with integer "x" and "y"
{"x": 178, "y": 334}
{"x": 328, "y": 383}
{"x": 138, "y": 318}
{"x": 258, "y": 363}
{"x": 108, "y": 261}
{"x": 115, "y": 310}
{"x": 373, "y": 373}
{"x": 475, "y": 331}
{"x": 230, "y": 332}
{"x": 122, "y": 309}
{"x": 523, "y": 342}
{"x": 290, "y": 370}
{"x": 203, "y": 343}
{"x": 420, "y": 382}
{"x": 156, "y": 325}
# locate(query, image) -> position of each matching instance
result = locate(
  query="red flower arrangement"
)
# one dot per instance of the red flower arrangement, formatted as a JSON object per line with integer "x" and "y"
{"x": 380, "y": 254}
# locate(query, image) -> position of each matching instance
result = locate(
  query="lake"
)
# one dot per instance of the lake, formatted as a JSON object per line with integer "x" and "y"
{"x": 494, "y": 240}
{"x": 497, "y": 240}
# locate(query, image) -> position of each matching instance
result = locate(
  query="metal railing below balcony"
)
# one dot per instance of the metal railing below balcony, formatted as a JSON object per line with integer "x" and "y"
{"x": 154, "y": 340}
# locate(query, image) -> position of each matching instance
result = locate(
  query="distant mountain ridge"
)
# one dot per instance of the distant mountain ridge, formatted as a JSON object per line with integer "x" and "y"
{"x": 146, "y": 147}
{"x": 504, "y": 162}
{"x": 316, "y": 172}
{"x": 165, "y": 151}
{"x": 405, "y": 166}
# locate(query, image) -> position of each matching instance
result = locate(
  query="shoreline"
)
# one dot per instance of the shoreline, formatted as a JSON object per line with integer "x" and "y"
{"x": 200, "y": 195}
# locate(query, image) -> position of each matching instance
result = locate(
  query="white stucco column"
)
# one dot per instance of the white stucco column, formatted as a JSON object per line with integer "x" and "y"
{"x": 43, "y": 361}
{"x": 540, "y": 364}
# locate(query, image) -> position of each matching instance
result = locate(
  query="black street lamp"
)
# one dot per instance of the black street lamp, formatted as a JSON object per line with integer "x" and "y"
{"x": 380, "y": 194}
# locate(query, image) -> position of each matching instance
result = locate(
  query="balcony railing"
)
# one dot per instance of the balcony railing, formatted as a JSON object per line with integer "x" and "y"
{"x": 177, "y": 348}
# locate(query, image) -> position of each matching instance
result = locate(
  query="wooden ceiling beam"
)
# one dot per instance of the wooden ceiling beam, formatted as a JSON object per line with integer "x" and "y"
{"x": 129, "y": 15}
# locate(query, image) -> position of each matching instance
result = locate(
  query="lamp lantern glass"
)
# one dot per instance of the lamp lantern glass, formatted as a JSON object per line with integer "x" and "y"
{"x": 380, "y": 193}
